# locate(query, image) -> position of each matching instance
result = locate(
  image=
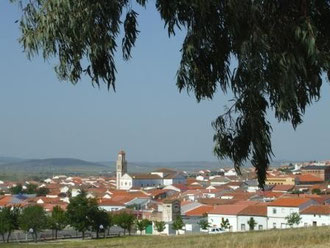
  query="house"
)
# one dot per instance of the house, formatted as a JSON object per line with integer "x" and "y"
{"x": 226, "y": 212}
{"x": 258, "y": 212}
{"x": 278, "y": 210}
{"x": 219, "y": 180}
{"x": 110, "y": 205}
{"x": 200, "y": 211}
{"x": 320, "y": 171}
{"x": 318, "y": 215}
{"x": 282, "y": 188}
{"x": 308, "y": 179}
{"x": 157, "y": 178}
{"x": 230, "y": 172}
{"x": 187, "y": 206}
{"x": 280, "y": 180}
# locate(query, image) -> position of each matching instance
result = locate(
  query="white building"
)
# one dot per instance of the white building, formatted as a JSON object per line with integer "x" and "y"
{"x": 258, "y": 213}
{"x": 278, "y": 210}
{"x": 226, "y": 212}
{"x": 157, "y": 178}
{"x": 315, "y": 216}
{"x": 110, "y": 205}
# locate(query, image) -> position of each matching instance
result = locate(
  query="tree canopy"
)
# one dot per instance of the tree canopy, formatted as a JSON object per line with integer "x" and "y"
{"x": 272, "y": 55}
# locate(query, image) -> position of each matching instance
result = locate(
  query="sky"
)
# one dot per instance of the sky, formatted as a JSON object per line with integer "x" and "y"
{"x": 42, "y": 117}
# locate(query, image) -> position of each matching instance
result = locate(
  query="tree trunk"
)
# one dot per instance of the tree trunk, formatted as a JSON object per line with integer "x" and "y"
{"x": 55, "y": 233}
{"x": 8, "y": 236}
{"x": 97, "y": 234}
{"x": 3, "y": 237}
{"x": 83, "y": 235}
{"x": 36, "y": 237}
{"x": 124, "y": 232}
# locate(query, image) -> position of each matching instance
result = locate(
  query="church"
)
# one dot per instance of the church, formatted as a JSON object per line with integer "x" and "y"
{"x": 157, "y": 178}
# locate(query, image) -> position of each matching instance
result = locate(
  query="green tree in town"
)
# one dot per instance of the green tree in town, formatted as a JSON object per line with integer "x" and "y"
{"x": 252, "y": 223}
{"x": 111, "y": 221}
{"x": 8, "y": 221}
{"x": 3, "y": 224}
{"x": 270, "y": 55}
{"x": 31, "y": 189}
{"x": 79, "y": 212}
{"x": 225, "y": 224}
{"x": 141, "y": 225}
{"x": 43, "y": 191}
{"x": 178, "y": 224}
{"x": 33, "y": 219}
{"x": 316, "y": 191}
{"x": 204, "y": 224}
{"x": 99, "y": 221}
{"x": 125, "y": 220}
{"x": 57, "y": 221}
{"x": 159, "y": 226}
{"x": 293, "y": 219}
{"x": 15, "y": 190}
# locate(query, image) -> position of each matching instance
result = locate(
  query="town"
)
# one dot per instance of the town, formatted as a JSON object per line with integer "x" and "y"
{"x": 295, "y": 195}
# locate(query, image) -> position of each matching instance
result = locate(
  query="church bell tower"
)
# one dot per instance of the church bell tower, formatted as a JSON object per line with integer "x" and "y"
{"x": 121, "y": 167}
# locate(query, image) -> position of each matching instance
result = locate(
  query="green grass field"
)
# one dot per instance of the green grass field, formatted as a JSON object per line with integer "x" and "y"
{"x": 294, "y": 238}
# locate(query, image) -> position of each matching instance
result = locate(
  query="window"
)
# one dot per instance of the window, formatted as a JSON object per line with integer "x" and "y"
{"x": 243, "y": 227}
{"x": 260, "y": 227}
{"x": 274, "y": 225}
{"x": 274, "y": 210}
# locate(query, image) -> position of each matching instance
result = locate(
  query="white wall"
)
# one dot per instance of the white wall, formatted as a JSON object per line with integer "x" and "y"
{"x": 216, "y": 219}
{"x": 277, "y": 219}
{"x": 111, "y": 208}
{"x": 147, "y": 182}
{"x": 308, "y": 219}
{"x": 261, "y": 221}
{"x": 125, "y": 182}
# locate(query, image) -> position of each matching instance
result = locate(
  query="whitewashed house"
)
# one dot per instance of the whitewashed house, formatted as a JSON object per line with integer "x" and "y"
{"x": 258, "y": 213}
{"x": 226, "y": 212}
{"x": 278, "y": 210}
{"x": 110, "y": 205}
{"x": 315, "y": 216}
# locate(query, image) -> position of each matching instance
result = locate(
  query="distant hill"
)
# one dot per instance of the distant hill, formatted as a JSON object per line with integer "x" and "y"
{"x": 51, "y": 166}
{"x": 5, "y": 160}
{"x": 182, "y": 166}
{"x": 16, "y": 168}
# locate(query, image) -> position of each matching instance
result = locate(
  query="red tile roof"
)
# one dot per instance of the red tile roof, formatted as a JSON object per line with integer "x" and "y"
{"x": 319, "y": 209}
{"x": 289, "y": 202}
{"x": 216, "y": 201}
{"x": 282, "y": 188}
{"x": 309, "y": 178}
{"x": 227, "y": 209}
{"x": 255, "y": 210}
{"x": 5, "y": 200}
{"x": 200, "y": 211}
{"x": 109, "y": 202}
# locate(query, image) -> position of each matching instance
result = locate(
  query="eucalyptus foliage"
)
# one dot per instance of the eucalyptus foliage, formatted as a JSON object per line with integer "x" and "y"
{"x": 271, "y": 55}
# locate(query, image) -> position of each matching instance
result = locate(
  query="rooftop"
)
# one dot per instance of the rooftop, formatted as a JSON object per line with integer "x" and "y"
{"x": 289, "y": 202}
{"x": 320, "y": 210}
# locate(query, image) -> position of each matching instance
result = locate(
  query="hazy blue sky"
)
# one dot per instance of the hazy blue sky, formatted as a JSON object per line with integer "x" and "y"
{"x": 147, "y": 116}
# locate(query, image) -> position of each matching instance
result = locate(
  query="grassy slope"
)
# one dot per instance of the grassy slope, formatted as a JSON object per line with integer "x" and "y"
{"x": 305, "y": 237}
